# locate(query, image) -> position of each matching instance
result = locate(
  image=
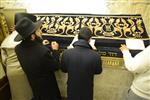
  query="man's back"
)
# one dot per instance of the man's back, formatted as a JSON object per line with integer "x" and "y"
{"x": 81, "y": 63}
{"x": 39, "y": 65}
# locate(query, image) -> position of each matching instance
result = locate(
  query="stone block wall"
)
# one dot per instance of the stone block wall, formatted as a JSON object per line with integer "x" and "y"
{"x": 113, "y": 7}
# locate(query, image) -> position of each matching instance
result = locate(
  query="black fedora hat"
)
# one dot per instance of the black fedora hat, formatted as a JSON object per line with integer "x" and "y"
{"x": 25, "y": 27}
{"x": 20, "y": 15}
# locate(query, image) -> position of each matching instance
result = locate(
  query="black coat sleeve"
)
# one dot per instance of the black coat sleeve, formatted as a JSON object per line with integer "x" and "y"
{"x": 63, "y": 63}
{"x": 98, "y": 65}
{"x": 56, "y": 54}
{"x": 51, "y": 60}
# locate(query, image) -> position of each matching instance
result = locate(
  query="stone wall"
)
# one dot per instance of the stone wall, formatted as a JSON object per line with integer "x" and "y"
{"x": 113, "y": 7}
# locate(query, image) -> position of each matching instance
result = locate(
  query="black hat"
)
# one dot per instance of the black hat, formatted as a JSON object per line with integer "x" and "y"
{"x": 25, "y": 27}
{"x": 20, "y": 15}
{"x": 85, "y": 33}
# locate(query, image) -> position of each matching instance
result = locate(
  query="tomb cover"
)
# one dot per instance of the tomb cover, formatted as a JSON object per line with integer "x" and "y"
{"x": 109, "y": 31}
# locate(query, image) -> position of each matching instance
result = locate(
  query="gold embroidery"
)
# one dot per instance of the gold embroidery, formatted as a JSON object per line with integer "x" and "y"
{"x": 127, "y": 26}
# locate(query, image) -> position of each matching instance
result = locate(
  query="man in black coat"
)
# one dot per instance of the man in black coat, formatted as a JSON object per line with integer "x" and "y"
{"x": 81, "y": 63}
{"x": 37, "y": 60}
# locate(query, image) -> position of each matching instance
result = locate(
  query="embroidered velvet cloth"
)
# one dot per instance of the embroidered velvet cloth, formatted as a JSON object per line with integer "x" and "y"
{"x": 110, "y": 31}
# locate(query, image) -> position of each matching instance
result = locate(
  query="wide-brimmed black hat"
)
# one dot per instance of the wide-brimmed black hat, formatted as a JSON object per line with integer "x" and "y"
{"x": 25, "y": 27}
{"x": 85, "y": 33}
{"x": 20, "y": 15}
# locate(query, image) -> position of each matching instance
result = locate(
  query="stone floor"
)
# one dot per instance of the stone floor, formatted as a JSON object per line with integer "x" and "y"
{"x": 112, "y": 84}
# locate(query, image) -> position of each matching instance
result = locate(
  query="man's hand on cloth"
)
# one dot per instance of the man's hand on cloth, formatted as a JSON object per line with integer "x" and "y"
{"x": 123, "y": 47}
{"x": 54, "y": 45}
{"x": 45, "y": 42}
